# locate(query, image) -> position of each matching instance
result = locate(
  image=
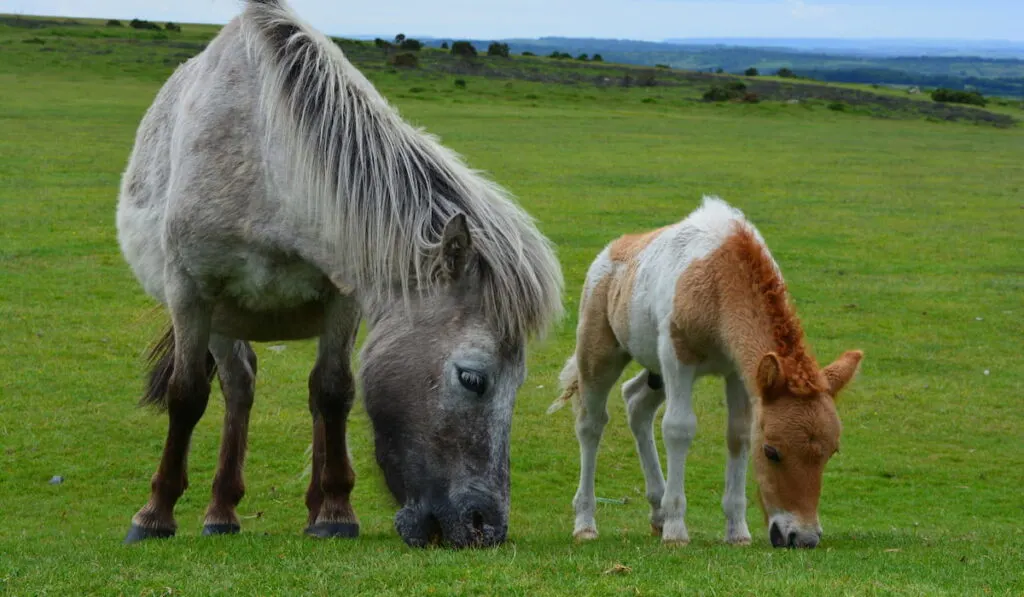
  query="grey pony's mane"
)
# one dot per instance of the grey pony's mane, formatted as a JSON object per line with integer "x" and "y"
{"x": 381, "y": 190}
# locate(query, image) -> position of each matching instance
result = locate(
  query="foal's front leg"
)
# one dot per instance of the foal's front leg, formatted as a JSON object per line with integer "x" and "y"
{"x": 331, "y": 393}
{"x": 236, "y": 367}
{"x": 678, "y": 427}
{"x": 734, "y": 500}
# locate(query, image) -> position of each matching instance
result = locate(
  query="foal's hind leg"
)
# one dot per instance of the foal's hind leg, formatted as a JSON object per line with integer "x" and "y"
{"x": 643, "y": 395}
{"x": 734, "y": 500}
{"x": 236, "y": 367}
{"x": 331, "y": 393}
{"x": 187, "y": 392}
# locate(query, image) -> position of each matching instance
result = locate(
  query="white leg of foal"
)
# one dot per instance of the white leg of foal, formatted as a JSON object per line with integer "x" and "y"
{"x": 642, "y": 402}
{"x": 734, "y": 500}
{"x": 678, "y": 429}
{"x": 590, "y": 422}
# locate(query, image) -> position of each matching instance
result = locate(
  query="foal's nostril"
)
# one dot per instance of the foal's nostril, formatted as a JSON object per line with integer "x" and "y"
{"x": 775, "y": 534}
{"x": 792, "y": 539}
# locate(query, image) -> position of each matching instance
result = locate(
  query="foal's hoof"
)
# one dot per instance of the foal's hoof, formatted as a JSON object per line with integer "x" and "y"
{"x": 137, "y": 533}
{"x": 228, "y": 528}
{"x": 585, "y": 535}
{"x": 326, "y": 530}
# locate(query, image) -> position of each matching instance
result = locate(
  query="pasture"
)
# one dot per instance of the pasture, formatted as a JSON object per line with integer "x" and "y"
{"x": 899, "y": 237}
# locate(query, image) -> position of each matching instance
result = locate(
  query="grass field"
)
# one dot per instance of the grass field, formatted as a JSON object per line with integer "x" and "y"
{"x": 899, "y": 237}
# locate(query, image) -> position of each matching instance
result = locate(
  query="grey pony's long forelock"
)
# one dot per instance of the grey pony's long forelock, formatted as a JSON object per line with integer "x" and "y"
{"x": 381, "y": 190}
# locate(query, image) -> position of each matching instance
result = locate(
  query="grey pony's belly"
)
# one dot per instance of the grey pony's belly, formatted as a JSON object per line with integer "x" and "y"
{"x": 295, "y": 323}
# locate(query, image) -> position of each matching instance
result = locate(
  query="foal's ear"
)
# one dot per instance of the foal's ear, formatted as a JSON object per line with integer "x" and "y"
{"x": 769, "y": 376}
{"x": 842, "y": 370}
{"x": 456, "y": 247}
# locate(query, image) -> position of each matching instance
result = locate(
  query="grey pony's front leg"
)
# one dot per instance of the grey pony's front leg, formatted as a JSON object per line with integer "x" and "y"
{"x": 236, "y": 368}
{"x": 187, "y": 393}
{"x": 331, "y": 393}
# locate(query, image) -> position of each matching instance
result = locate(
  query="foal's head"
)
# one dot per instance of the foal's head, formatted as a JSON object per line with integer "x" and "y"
{"x": 796, "y": 432}
{"x": 440, "y": 385}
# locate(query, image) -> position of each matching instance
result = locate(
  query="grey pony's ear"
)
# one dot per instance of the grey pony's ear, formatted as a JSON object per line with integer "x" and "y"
{"x": 456, "y": 248}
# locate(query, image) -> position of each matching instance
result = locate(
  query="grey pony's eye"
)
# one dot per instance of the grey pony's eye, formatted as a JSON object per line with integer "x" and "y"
{"x": 473, "y": 381}
{"x": 772, "y": 454}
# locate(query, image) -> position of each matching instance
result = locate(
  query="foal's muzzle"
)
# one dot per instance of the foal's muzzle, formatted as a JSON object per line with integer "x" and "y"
{"x": 471, "y": 522}
{"x": 792, "y": 537}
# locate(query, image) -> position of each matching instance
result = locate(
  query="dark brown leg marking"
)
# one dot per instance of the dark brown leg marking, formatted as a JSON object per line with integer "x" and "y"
{"x": 331, "y": 393}
{"x": 236, "y": 364}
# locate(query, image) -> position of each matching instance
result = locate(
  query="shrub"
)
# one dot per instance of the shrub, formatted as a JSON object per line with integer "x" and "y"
{"x": 498, "y": 49}
{"x": 172, "y": 27}
{"x": 837, "y": 106}
{"x": 648, "y": 100}
{"x": 785, "y": 73}
{"x": 410, "y": 45}
{"x": 399, "y": 39}
{"x": 382, "y": 44}
{"x": 596, "y": 58}
{"x": 404, "y": 60}
{"x": 528, "y": 54}
{"x": 750, "y": 98}
{"x": 662, "y": 66}
{"x": 444, "y": 45}
{"x": 739, "y": 86}
{"x": 954, "y": 96}
{"x": 583, "y": 57}
{"x": 719, "y": 70}
{"x": 33, "y": 40}
{"x": 460, "y": 83}
{"x": 751, "y": 72}
{"x": 140, "y": 24}
{"x": 463, "y": 48}
{"x": 560, "y": 55}
{"x": 719, "y": 94}
{"x": 114, "y": 23}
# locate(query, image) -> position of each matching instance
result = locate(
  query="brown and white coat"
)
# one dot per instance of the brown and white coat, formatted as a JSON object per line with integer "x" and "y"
{"x": 705, "y": 297}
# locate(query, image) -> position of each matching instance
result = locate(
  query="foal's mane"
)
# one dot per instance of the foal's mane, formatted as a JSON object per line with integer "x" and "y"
{"x": 381, "y": 190}
{"x": 798, "y": 364}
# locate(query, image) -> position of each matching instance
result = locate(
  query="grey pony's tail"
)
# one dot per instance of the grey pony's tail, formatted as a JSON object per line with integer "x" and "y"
{"x": 161, "y": 365}
{"x": 569, "y": 381}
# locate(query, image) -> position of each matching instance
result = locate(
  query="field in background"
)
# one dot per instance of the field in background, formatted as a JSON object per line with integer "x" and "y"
{"x": 897, "y": 236}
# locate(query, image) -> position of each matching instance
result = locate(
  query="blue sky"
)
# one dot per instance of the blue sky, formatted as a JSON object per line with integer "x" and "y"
{"x": 634, "y": 19}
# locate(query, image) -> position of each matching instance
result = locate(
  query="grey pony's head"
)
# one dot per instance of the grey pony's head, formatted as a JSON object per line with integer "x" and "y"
{"x": 440, "y": 384}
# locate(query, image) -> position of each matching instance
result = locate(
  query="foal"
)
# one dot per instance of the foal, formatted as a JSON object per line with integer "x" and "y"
{"x": 704, "y": 297}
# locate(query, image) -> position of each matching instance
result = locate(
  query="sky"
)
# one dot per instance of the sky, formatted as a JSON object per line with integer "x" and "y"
{"x": 652, "y": 20}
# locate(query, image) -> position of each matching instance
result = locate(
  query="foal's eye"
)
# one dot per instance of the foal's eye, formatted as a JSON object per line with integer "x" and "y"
{"x": 772, "y": 454}
{"x": 472, "y": 381}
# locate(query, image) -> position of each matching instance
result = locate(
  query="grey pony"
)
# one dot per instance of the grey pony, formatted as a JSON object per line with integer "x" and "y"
{"x": 273, "y": 194}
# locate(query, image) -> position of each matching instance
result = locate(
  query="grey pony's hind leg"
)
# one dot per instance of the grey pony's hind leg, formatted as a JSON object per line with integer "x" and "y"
{"x": 331, "y": 393}
{"x": 236, "y": 368}
{"x": 181, "y": 380}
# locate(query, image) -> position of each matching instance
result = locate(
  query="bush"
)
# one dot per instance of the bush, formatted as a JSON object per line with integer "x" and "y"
{"x": 463, "y": 48}
{"x": 583, "y": 57}
{"x": 528, "y": 54}
{"x": 719, "y": 70}
{"x": 410, "y": 45}
{"x": 837, "y": 106}
{"x": 460, "y": 83}
{"x": 954, "y": 96}
{"x": 734, "y": 90}
{"x": 34, "y": 40}
{"x": 404, "y": 60}
{"x": 172, "y": 27}
{"x": 399, "y": 39}
{"x": 498, "y": 49}
{"x": 560, "y": 55}
{"x": 751, "y": 72}
{"x": 114, "y": 23}
{"x": 596, "y": 58}
{"x": 444, "y": 45}
{"x": 662, "y": 66}
{"x": 140, "y": 24}
{"x": 785, "y": 73}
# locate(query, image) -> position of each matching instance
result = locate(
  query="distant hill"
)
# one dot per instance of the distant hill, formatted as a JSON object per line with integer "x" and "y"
{"x": 860, "y": 62}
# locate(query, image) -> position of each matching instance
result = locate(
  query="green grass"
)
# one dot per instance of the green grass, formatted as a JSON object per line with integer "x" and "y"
{"x": 898, "y": 237}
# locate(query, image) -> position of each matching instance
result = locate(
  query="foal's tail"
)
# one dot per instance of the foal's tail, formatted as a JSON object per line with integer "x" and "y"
{"x": 569, "y": 381}
{"x": 161, "y": 366}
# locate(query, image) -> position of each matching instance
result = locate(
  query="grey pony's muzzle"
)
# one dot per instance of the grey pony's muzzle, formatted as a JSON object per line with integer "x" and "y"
{"x": 471, "y": 523}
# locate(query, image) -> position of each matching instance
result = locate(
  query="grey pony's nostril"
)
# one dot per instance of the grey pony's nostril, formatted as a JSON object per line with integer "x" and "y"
{"x": 478, "y": 521}
{"x": 792, "y": 539}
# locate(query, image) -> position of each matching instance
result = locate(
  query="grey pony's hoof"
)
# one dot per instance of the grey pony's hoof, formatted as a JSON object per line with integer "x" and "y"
{"x": 221, "y": 529}
{"x": 137, "y": 533}
{"x": 325, "y": 530}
